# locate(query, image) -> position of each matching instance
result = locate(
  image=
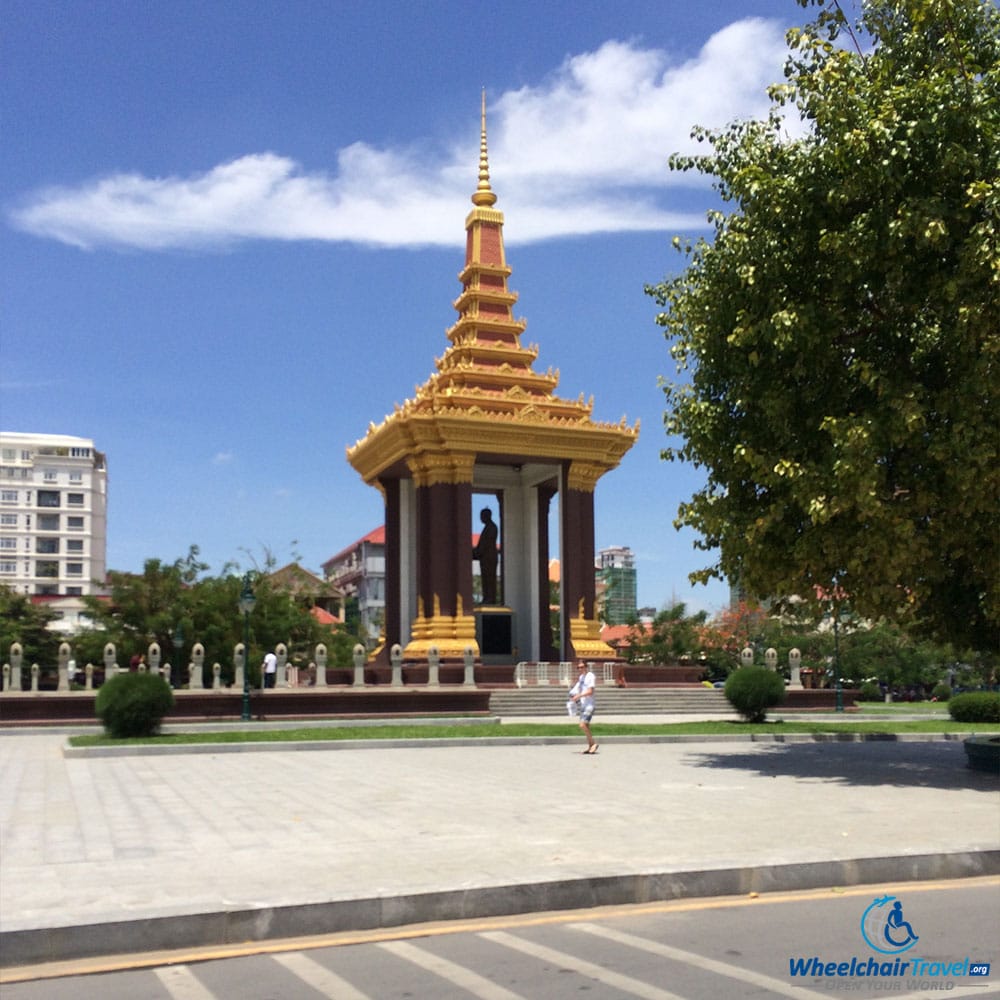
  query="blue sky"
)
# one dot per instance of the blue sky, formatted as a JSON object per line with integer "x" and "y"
{"x": 231, "y": 233}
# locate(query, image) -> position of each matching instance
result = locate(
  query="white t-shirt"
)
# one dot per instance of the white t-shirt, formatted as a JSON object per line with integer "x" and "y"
{"x": 586, "y": 681}
{"x": 270, "y": 663}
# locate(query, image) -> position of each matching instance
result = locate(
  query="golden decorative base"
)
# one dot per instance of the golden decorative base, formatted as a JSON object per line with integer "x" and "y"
{"x": 585, "y": 635}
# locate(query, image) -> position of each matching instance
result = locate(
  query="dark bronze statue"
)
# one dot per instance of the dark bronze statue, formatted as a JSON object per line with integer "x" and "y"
{"x": 485, "y": 550}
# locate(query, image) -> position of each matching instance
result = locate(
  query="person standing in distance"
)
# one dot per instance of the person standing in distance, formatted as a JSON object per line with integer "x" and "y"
{"x": 582, "y": 693}
{"x": 270, "y": 670}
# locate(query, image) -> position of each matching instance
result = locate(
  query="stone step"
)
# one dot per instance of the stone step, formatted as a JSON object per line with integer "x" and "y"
{"x": 612, "y": 701}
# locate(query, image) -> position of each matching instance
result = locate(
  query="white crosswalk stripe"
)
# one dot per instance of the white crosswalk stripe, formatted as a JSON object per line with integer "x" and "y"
{"x": 319, "y": 977}
{"x": 180, "y": 982}
{"x": 478, "y": 986}
{"x": 614, "y": 979}
{"x": 741, "y": 973}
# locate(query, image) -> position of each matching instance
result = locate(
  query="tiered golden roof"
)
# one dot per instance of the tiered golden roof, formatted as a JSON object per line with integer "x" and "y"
{"x": 486, "y": 399}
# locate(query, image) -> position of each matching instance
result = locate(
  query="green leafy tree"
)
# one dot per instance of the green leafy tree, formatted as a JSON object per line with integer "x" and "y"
{"x": 26, "y": 623}
{"x": 149, "y": 606}
{"x": 837, "y": 340}
{"x": 673, "y": 633}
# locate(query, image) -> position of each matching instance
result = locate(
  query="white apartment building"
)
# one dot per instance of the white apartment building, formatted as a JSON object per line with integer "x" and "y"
{"x": 53, "y": 514}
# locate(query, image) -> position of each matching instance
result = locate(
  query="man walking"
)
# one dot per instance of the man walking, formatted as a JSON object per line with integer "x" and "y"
{"x": 581, "y": 694}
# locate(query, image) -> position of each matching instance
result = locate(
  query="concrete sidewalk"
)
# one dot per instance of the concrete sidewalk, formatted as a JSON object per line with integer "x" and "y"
{"x": 139, "y": 852}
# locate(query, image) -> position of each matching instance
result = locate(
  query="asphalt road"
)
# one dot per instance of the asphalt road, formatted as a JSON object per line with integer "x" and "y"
{"x": 703, "y": 949}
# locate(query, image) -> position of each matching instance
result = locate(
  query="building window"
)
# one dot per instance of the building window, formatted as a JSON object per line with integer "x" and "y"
{"x": 80, "y": 452}
{"x": 48, "y": 522}
{"x": 46, "y": 568}
{"x": 8, "y": 568}
{"x": 74, "y": 499}
{"x": 49, "y": 475}
{"x": 8, "y": 496}
{"x": 74, "y": 544}
{"x": 49, "y": 498}
{"x": 9, "y": 454}
{"x": 8, "y": 520}
{"x": 76, "y": 477}
{"x": 47, "y": 589}
{"x": 47, "y": 546}
{"x": 74, "y": 523}
{"x": 8, "y": 543}
{"x": 77, "y": 592}
{"x": 74, "y": 569}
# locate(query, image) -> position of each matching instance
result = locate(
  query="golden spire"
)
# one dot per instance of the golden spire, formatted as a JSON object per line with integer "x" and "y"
{"x": 484, "y": 193}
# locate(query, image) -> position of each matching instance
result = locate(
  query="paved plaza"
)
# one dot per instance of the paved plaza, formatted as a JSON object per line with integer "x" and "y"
{"x": 139, "y": 851}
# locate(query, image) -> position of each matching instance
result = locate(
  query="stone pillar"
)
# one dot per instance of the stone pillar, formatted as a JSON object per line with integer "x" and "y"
{"x": 771, "y": 658}
{"x": 469, "y": 661}
{"x": 88, "y": 673}
{"x": 216, "y": 676}
{"x": 155, "y": 655}
{"x": 396, "y": 658}
{"x": 360, "y": 655}
{"x": 110, "y": 663}
{"x": 6, "y": 678}
{"x": 795, "y": 667}
{"x": 321, "y": 666}
{"x": 64, "y": 655}
{"x": 746, "y": 657}
{"x": 35, "y": 671}
{"x": 196, "y": 668}
{"x": 239, "y": 665}
{"x": 281, "y": 652}
{"x": 16, "y": 660}
{"x": 433, "y": 667}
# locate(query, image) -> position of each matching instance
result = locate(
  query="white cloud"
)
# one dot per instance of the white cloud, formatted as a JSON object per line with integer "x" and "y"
{"x": 583, "y": 152}
{"x": 222, "y": 458}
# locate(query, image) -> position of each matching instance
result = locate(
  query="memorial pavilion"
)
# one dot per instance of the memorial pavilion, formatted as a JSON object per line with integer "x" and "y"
{"x": 485, "y": 430}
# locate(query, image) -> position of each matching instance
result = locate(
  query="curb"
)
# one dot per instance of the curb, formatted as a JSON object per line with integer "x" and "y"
{"x": 503, "y": 741}
{"x": 225, "y": 927}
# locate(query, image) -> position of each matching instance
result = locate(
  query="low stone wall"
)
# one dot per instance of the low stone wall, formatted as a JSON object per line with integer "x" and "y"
{"x": 818, "y": 699}
{"x": 78, "y": 707}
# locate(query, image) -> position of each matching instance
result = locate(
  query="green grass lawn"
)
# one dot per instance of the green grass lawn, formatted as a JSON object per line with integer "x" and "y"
{"x": 529, "y": 730}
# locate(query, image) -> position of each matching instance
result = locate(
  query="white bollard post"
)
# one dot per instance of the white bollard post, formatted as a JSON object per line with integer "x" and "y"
{"x": 795, "y": 666}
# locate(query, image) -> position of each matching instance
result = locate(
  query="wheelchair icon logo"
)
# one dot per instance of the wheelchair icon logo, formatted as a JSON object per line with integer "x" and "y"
{"x": 884, "y": 928}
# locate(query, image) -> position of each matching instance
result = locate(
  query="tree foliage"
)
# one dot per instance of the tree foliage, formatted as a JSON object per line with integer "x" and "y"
{"x": 27, "y": 624}
{"x": 673, "y": 633}
{"x": 837, "y": 340}
{"x": 150, "y": 607}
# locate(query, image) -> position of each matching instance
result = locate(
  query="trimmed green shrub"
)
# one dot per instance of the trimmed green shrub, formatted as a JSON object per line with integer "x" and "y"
{"x": 133, "y": 704}
{"x": 753, "y": 690}
{"x": 941, "y": 692}
{"x": 870, "y": 691}
{"x": 975, "y": 706}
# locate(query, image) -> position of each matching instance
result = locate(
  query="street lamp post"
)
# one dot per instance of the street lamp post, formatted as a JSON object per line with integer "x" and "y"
{"x": 836, "y": 660}
{"x": 178, "y": 638}
{"x": 247, "y": 602}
